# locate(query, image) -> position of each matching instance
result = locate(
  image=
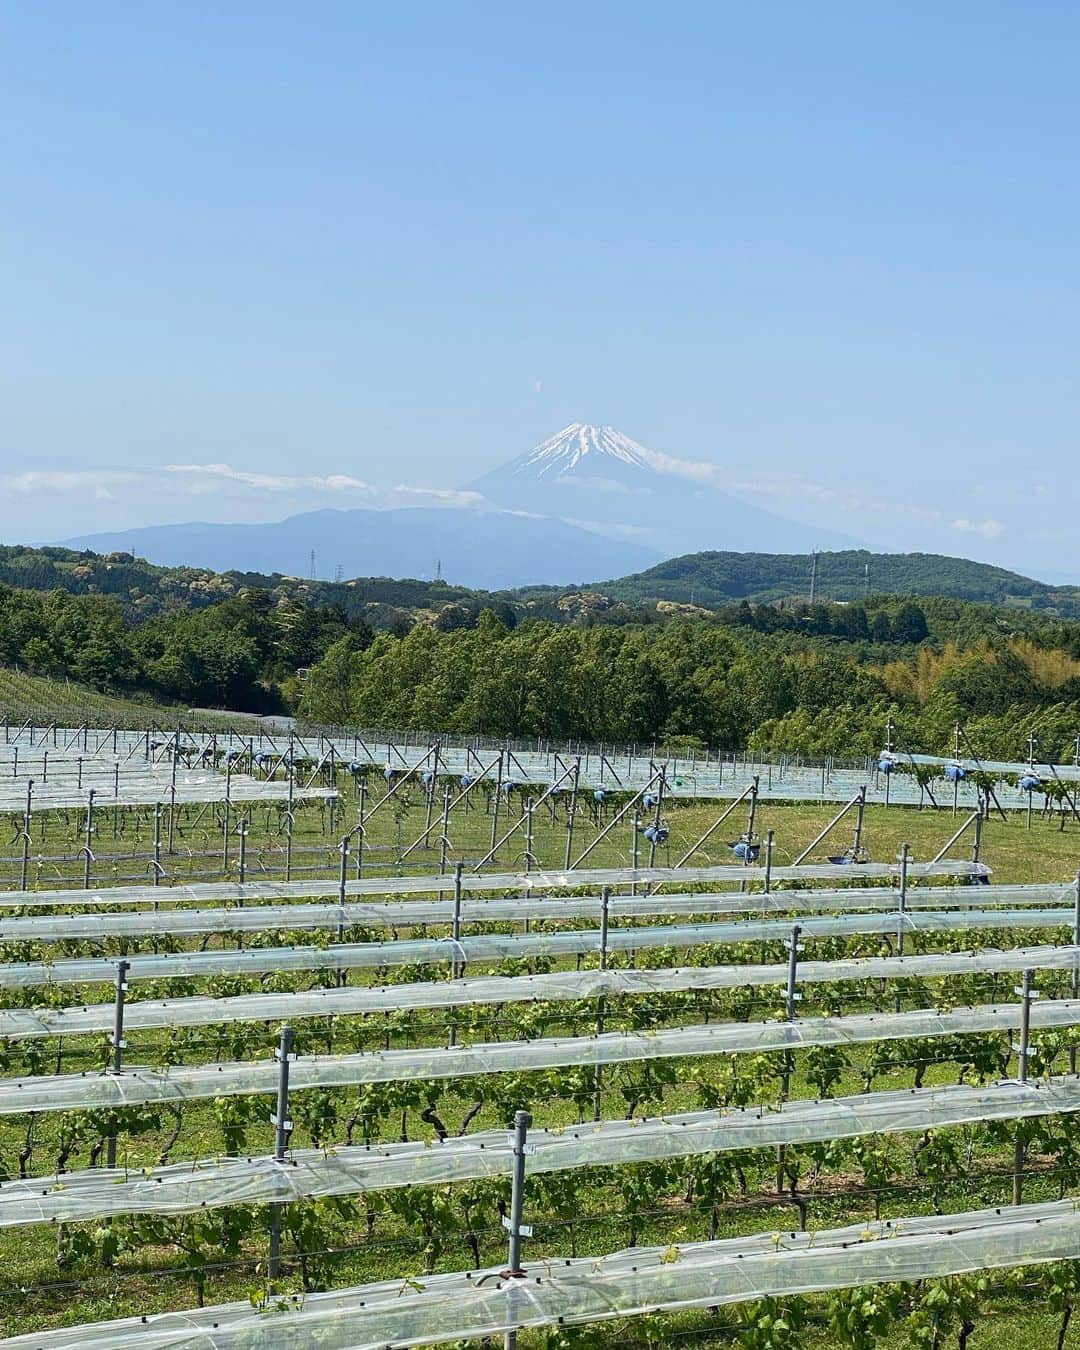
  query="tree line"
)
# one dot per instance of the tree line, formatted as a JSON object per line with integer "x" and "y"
{"x": 242, "y": 654}
{"x": 707, "y": 684}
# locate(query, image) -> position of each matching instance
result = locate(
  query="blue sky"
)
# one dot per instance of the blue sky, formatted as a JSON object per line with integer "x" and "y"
{"x": 328, "y": 250}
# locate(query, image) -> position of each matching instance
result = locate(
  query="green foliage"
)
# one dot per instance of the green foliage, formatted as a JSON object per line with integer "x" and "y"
{"x": 769, "y": 1324}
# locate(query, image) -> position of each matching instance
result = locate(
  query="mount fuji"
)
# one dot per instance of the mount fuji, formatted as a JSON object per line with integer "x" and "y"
{"x": 598, "y": 478}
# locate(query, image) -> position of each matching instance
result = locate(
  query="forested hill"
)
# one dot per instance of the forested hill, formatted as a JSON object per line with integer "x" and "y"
{"x": 706, "y": 580}
{"x": 143, "y": 588}
{"x": 716, "y": 579}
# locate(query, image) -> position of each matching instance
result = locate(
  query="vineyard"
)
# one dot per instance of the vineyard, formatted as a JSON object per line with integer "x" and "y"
{"x": 331, "y": 1041}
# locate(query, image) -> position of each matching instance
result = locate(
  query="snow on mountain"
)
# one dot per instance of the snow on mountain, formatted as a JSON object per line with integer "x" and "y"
{"x": 599, "y": 477}
{"x": 573, "y": 446}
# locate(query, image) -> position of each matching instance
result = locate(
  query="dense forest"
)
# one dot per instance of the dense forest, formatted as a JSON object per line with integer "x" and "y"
{"x": 788, "y": 676}
{"x": 747, "y": 678}
{"x": 242, "y": 654}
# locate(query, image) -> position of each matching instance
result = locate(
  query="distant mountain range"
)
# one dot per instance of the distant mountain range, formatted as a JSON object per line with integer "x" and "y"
{"x": 588, "y": 502}
{"x": 492, "y": 550}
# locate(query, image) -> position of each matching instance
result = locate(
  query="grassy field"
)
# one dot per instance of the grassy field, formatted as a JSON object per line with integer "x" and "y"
{"x": 67, "y": 704}
{"x": 1045, "y": 852}
{"x": 50, "y": 1278}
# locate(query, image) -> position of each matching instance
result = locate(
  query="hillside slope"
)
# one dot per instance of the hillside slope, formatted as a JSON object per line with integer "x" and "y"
{"x": 713, "y": 579}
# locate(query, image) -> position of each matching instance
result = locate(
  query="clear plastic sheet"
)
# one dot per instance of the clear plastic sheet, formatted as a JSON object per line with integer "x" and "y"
{"x": 560, "y": 986}
{"x": 636, "y": 1281}
{"x": 184, "y": 1188}
{"x": 517, "y": 946}
{"x": 190, "y": 922}
{"x": 252, "y": 892}
{"x": 68, "y": 1092}
{"x": 141, "y": 787}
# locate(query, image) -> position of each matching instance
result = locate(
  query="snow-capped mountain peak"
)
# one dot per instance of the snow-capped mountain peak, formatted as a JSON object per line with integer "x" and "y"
{"x": 584, "y": 448}
{"x": 596, "y": 476}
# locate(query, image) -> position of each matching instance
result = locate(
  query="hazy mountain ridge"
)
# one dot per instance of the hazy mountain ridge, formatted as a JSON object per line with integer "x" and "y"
{"x": 587, "y": 502}
{"x": 492, "y": 550}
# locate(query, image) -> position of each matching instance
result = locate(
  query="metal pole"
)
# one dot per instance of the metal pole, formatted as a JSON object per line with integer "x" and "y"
{"x": 657, "y": 814}
{"x": 792, "y": 996}
{"x": 455, "y": 929}
{"x": 859, "y": 796}
{"x": 444, "y": 843}
{"x": 431, "y": 798}
{"x": 89, "y": 838}
{"x": 243, "y": 852}
{"x": 343, "y": 849}
{"x": 27, "y": 822}
{"x": 751, "y": 815}
{"x": 289, "y": 821}
{"x": 601, "y": 1002}
{"x": 1023, "y": 1050}
{"x": 975, "y": 819}
{"x": 116, "y": 1040}
{"x": 226, "y": 820}
{"x": 901, "y": 923}
{"x": 1076, "y": 962}
{"x": 790, "y": 1000}
{"x": 770, "y": 836}
{"x": 512, "y": 1223}
{"x": 282, "y": 1129}
{"x": 496, "y": 796}
{"x": 572, "y": 813}
{"x": 157, "y": 844}
{"x": 860, "y": 812}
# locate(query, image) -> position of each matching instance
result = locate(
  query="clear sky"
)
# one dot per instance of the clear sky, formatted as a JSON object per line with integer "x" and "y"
{"x": 335, "y": 248}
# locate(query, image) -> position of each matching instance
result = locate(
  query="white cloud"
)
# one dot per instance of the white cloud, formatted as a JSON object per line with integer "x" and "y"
{"x": 842, "y": 501}
{"x": 696, "y": 470}
{"x": 438, "y": 497}
{"x": 988, "y": 529}
{"x": 66, "y": 481}
{"x": 266, "y": 482}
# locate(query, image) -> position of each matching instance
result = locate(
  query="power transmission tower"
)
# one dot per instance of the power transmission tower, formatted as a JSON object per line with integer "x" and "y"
{"x": 339, "y": 572}
{"x": 312, "y": 573}
{"x": 813, "y": 576}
